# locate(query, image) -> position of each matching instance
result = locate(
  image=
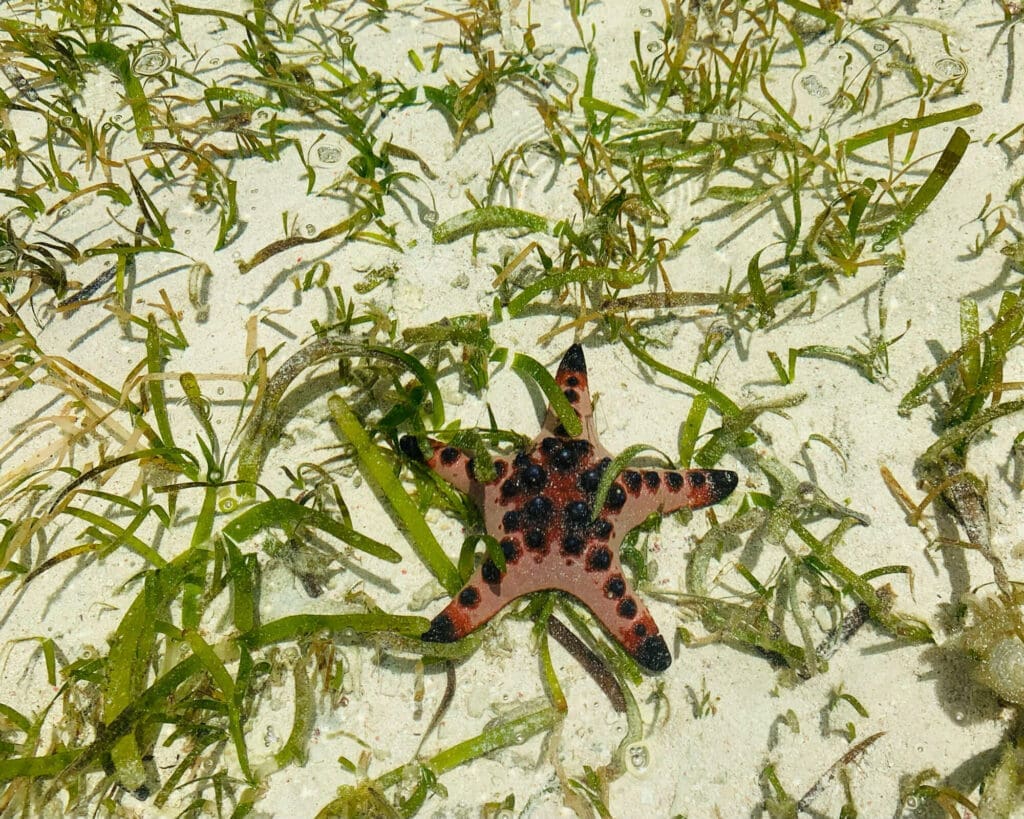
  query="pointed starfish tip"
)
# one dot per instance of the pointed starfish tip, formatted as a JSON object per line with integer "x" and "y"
{"x": 724, "y": 481}
{"x": 411, "y": 448}
{"x": 574, "y": 361}
{"x": 653, "y": 654}
{"x": 442, "y": 630}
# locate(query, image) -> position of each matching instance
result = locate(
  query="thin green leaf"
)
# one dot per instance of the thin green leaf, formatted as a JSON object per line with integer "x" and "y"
{"x": 524, "y": 365}
{"x": 287, "y": 514}
{"x": 494, "y": 217}
{"x": 299, "y": 626}
{"x": 379, "y": 473}
{"x": 930, "y": 188}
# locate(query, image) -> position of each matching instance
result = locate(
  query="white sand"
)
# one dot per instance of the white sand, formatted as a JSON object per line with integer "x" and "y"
{"x": 931, "y": 714}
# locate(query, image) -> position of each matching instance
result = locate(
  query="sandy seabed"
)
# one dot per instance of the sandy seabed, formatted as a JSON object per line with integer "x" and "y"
{"x": 695, "y": 760}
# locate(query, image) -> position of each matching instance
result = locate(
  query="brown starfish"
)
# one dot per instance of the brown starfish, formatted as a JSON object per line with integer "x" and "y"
{"x": 540, "y": 509}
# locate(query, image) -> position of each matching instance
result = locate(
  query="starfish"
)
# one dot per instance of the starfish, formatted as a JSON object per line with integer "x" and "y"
{"x": 539, "y": 507}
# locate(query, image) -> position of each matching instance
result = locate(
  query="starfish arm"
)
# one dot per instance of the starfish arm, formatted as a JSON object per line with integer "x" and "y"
{"x": 487, "y": 592}
{"x": 637, "y": 494}
{"x": 474, "y": 605}
{"x": 604, "y": 589}
{"x": 572, "y": 379}
{"x": 451, "y": 463}
{"x": 598, "y": 583}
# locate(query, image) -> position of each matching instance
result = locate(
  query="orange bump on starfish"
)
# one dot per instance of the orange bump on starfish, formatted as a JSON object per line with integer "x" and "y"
{"x": 539, "y": 507}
